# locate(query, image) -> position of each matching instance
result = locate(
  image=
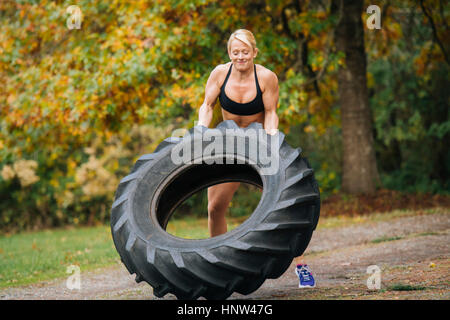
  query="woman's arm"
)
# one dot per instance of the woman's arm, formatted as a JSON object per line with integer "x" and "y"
{"x": 270, "y": 99}
{"x": 212, "y": 91}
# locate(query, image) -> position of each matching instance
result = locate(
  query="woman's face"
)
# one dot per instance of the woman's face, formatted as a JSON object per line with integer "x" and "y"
{"x": 241, "y": 55}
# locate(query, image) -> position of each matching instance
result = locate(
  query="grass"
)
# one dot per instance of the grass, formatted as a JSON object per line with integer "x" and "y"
{"x": 404, "y": 287}
{"x": 385, "y": 239}
{"x": 38, "y": 256}
{"x": 32, "y": 257}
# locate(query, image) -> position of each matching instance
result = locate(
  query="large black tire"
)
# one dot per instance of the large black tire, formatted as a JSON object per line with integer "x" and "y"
{"x": 240, "y": 260}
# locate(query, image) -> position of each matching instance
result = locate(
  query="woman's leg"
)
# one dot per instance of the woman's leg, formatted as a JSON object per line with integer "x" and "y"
{"x": 219, "y": 197}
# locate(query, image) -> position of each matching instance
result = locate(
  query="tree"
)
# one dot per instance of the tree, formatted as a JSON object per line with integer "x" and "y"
{"x": 65, "y": 92}
{"x": 359, "y": 168}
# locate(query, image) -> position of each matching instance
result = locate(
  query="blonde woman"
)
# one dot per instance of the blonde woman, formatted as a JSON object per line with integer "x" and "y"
{"x": 247, "y": 93}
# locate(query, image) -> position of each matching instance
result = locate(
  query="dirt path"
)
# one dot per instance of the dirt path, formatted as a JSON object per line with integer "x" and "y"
{"x": 412, "y": 253}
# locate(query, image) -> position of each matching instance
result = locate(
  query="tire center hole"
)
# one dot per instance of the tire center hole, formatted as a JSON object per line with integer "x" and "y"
{"x": 182, "y": 207}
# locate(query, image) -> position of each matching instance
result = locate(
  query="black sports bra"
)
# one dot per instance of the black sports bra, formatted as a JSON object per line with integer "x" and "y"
{"x": 242, "y": 109}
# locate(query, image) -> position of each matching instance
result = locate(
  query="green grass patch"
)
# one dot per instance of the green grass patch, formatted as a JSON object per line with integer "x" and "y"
{"x": 404, "y": 287}
{"x": 385, "y": 239}
{"x": 37, "y": 256}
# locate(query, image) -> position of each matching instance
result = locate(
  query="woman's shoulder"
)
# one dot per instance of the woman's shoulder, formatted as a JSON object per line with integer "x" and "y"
{"x": 219, "y": 73}
{"x": 264, "y": 72}
{"x": 221, "y": 68}
{"x": 266, "y": 77}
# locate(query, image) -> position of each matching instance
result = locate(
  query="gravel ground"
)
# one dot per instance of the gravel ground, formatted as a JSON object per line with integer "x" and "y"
{"x": 411, "y": 252}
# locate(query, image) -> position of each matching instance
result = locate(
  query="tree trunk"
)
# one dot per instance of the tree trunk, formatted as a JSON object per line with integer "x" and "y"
{"x": 359, "y": 171}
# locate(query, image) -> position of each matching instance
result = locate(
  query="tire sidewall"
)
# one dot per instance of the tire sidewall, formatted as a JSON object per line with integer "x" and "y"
{"x": 159, "y": 172}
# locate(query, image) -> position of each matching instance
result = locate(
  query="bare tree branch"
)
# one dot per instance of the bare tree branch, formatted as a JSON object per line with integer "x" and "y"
{"x": 433, "y": 27}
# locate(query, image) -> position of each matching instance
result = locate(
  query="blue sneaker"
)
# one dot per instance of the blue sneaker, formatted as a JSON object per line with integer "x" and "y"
{"x": 306, "y": 279}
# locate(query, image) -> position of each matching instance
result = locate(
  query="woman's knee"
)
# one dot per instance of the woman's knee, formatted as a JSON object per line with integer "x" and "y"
{"x": 219, "y": 198}
{"x": 216, "y": 209}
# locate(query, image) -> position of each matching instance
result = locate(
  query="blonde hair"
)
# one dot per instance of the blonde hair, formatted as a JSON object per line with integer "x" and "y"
{"x": 244, "y": 36}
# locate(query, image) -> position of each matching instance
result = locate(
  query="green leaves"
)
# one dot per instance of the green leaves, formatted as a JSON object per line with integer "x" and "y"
{"x": 140, "y": 62}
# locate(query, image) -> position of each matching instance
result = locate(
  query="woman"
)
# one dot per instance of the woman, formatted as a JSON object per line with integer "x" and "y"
{"x": 247, "y": 93}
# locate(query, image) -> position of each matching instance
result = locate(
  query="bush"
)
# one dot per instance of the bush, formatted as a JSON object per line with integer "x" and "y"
{"x": 76, "y": 188}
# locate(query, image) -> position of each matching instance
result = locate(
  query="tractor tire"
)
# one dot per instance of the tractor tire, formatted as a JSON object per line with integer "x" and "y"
{"x": 240, "y": 260}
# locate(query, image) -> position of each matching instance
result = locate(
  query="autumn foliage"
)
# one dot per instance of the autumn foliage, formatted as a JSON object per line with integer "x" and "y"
{"x": 78, "y": 106}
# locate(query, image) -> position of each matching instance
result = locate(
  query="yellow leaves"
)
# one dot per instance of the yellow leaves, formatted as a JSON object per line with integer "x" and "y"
{"x": 23, "y": 169}
{"x": 288, "y": 12}
{"x": 319, "y": 59}
{"x": 332, "y": 175}
{"x": 54, "y": 156}
{"x": 104, "y": 45}
{"x": 314, "y": 105}
{"x": 90, "y": 151}
{"x": 94, "y": 179}
{"x": 321, "y": 15}
{"x": 286, "y": 52}
{"x": 54, "y": 183}
{"x": 290, "y": 73}
{"x": 429, "y": 58}
{"x": 77, "y": 50}
{"x": 7, "y": 173}
{"x": 303, "y": 95}
{"x": 392, "y": 30}
{"x": 175, "y": 74}
{"x": 370, "y": 80}
{"x": 65, "y": 198}
{"x": 117, "y": 45}
{"x": 306, "y": 30}
{"x": 71, "y": 164}
{"x": 97, "y": 176}
{"x": 11, "y": 98}
{"x": 63, "y": 81}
